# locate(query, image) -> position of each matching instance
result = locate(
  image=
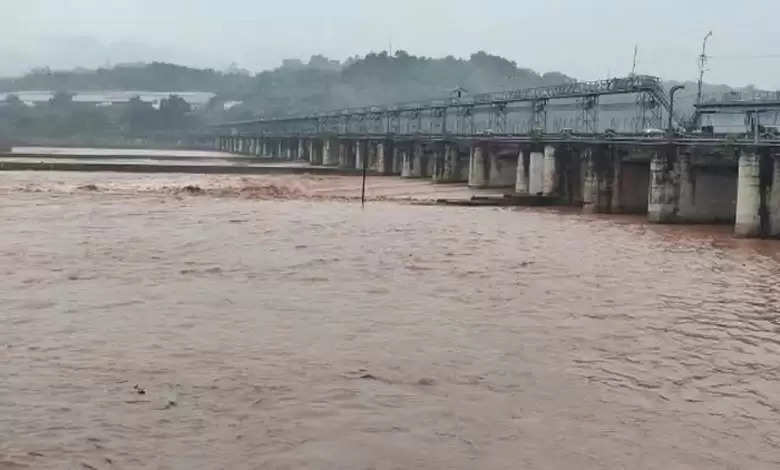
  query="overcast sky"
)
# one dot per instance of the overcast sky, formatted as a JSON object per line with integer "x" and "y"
{"x": 584, "y": 39}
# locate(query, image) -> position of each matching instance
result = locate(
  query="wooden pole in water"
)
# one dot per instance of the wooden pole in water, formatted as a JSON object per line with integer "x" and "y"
{"x": 363, "y": 191}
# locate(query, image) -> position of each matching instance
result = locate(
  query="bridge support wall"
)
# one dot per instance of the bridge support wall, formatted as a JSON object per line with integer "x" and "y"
{"x": 682, "y": 192}
{"x": 632, "y": 185}
{"x": 611, "y": 184}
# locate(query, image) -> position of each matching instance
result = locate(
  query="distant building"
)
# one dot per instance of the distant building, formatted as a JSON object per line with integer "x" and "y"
{"x": 196, "y": 99}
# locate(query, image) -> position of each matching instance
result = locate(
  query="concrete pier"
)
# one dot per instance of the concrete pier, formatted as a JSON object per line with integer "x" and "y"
{"x": 521, "y": 176}
{"x": 502, "y": 168}
{"x": 407, "y": 163}
{"x": 758, "y": 194}
{"x": 397, "y": 160}
{"x": 421, "y": 160}
{"x": 536, "y": 173}
{"x": 774, "y": 199}
{"x": 595, "y": 189}
{"x": 315, "y": 152}
{"x": 550, "y": 185}
{"x": 292, "y": 149}
{"x": 447, "y": 165}
{"x": 479, "y": 172}
{"x": 361, "y": 154}
{"x": 330, "y": 152}
{"x": 749, "y": 196}
{"x": 664, "y": 184}
{"x": 413, "y": 161}
{"x": 383, "y": 161}
{"x": 346, "y": 154}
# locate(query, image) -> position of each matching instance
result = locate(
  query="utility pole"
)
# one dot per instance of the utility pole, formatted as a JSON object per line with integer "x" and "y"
{"x": 636, "y": 56}
{"x": 702, "y": 65}
{"x": 675, "y": 89}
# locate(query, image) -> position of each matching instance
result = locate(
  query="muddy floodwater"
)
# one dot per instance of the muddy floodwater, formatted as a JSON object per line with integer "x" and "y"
{"x": 204, "y": 322}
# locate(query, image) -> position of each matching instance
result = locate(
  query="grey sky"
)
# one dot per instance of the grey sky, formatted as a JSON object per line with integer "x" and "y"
{"x": 584, "y": 39}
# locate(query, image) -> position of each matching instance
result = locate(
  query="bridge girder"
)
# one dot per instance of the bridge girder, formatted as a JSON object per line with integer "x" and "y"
{"x": 432, "y": 116}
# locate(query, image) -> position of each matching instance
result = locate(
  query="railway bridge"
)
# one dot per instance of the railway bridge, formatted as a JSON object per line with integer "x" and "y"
{"x": 595, "y": 144}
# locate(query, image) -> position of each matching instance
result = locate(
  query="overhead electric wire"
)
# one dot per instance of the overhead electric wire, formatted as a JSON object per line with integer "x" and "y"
{"x": 744, "y": 57}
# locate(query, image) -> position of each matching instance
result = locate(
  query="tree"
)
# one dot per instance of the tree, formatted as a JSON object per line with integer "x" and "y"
{"x": 173, "y": 112}
{"x": 61, "y": 99}
{"x": 14, "y": 102}
{"x": 139, "y": 116}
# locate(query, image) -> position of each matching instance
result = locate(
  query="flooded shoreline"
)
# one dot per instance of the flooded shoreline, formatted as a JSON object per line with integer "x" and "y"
{"x": 291, "y": 329}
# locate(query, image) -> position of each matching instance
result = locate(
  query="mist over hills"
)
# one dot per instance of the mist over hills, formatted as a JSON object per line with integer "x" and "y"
{"x": 293, "y": 88}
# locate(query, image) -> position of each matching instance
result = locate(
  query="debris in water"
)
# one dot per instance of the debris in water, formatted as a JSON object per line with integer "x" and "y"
{"x": 139, "y": 390}
{"x": 192, "y": 189}
{"x": 88, "y": 187}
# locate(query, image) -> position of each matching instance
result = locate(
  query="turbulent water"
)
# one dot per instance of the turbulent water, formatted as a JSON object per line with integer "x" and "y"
{"x": 300, "y": 333}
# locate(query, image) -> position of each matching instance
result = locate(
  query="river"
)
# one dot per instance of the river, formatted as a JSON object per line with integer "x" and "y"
{"x": 284, "y": 327}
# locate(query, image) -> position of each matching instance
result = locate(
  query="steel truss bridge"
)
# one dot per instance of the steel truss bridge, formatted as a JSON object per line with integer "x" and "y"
{"x": 480, "y": 114}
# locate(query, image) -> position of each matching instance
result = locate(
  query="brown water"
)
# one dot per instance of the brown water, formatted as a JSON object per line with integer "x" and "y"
{"x": 302, "y": 333}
